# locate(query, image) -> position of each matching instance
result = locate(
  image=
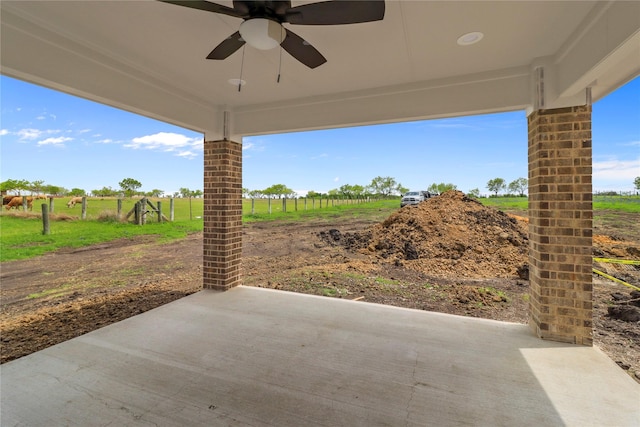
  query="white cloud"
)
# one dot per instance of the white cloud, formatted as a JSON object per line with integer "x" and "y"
{"x": 255, "y": 144}
{"x": 618, "y": 170}
{"x": 45, "y": 116}
{"x": 57, "y": 142}
{"x": 187, "y": 154}
{"x": 25, "y": 134}
{"x": 169, "y": 142}
{"x": 336, "y": 179}
{"x": 4, "y": 132}
{"x": 632, "y": 144}
{"x": 31, "y": 134}
{"x": 104, "y": 141}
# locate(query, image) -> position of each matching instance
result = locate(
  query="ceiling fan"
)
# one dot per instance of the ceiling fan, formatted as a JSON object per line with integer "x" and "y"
{"x": 262, "y": 27}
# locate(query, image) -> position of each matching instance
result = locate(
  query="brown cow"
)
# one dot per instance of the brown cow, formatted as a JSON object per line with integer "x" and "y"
{"x": 16, "y": 202}
{"x": 7, "y": 199}
{"x": 73, "y": 201}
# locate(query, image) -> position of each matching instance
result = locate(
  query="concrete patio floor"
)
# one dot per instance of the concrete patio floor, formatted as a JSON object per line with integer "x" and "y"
{"x": 260, "y": 357}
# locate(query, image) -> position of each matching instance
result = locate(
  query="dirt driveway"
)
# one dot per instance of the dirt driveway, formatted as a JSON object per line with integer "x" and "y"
{"x": 56, "y": 297}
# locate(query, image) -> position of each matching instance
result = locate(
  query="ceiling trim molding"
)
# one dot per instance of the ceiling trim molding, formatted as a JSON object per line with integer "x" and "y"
{"x": 28, "y": 26}
{"x": 485, "y": 93}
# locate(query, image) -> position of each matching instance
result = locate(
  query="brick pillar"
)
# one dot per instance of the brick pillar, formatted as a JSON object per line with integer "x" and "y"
{"x": 560, "y": 224}
{"x": 222, "y": 214}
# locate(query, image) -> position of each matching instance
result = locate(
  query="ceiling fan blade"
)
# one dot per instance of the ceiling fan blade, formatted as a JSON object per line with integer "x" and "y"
{"x": 302, "y": 51}
{"x": 209, "y": 7}
{"x": 336, "y": 12}
{"x": 227, "y": 47}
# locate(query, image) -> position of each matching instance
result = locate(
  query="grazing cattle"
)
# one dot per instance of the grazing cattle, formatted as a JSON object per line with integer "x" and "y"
{"x": 7, "y": 199}
{"x": 73, "y": 201}
{"x": 16, "y": 202}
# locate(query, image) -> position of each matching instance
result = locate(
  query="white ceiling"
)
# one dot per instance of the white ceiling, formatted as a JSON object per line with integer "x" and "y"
{"x": 149, "y": 57}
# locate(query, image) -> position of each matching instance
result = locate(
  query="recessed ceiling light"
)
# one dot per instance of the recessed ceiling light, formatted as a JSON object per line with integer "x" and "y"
{"x": 237, "y": 82}
{"x": 470, "y": 38}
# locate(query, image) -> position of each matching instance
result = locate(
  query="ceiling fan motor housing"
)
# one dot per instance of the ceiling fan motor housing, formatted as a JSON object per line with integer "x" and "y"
{"x": 262, "y": 33}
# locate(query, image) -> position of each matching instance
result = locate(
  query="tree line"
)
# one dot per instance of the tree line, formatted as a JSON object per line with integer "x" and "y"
{"x": 129, "y": 187}
{"x": 379, "y": 187}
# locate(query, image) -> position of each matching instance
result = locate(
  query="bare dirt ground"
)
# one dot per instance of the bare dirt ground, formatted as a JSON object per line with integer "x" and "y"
{"x": 449, "y": 254}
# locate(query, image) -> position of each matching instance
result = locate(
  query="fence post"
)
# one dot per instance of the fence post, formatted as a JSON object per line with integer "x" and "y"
{"x": 84, "y": 207}
{"x": 50, "y": 204}
{"x": 295, "y": 204}
{"x": 313, "y": 203}
{"x": 269, "y": 199}
{"x": 284, "y": 204}
{"x": 305, "y": 203}
{"x": 253, "y": 206}
{"x": 171, "y": 217}
{"x": 45, "y": 219}
{"x": 159, "y": 211}
{"x": 24, "y": 203}
{"x": 139, "y": 209}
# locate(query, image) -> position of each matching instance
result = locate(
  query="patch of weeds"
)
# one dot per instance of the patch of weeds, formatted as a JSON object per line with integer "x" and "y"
{"x": 496, "y": 293}
{"x": 328, "y": 292}
{"x": 54, "y": 292}
{"x": 356, "y": 276}
{"x": 387, "y": 282}
{"x": 132, "y": 271}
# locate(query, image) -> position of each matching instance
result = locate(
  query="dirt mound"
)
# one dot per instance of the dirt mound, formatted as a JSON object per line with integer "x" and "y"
{"x": 451, "y": 233}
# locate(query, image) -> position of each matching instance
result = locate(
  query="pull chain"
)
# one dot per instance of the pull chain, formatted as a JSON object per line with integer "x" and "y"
{"x": 280, "y": 61}
{"x": 241, "y": 69}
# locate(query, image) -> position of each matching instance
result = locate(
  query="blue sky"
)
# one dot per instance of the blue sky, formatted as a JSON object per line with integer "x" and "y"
{"x": 75, "y": 143}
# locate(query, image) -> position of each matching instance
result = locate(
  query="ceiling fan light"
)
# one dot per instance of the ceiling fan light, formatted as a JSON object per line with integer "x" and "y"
{"x": 261, "y": 33}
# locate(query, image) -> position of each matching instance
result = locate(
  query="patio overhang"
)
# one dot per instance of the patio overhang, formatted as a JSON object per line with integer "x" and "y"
{"x": 149, "y": 58}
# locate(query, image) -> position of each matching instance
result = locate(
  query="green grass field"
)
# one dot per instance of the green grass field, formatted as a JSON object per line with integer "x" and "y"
{"x": 629, "y": 204}
{"x": 21, "y": 236}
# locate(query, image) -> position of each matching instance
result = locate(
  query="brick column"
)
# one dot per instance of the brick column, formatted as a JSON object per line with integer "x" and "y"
{"x": 560, "y": 224}
{"x": 222, "y": 214}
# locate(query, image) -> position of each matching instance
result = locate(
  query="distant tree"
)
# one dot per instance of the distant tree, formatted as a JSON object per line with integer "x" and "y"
{"x": 349, "y": 191}
{"x": 154, "y": 193}
{"x": 255, "y": 194}
{"x": 496, "y": 185}
{"x": 311, "y": 194}
{"x": 441, "y": 188}
{"x": 17, "y": 185}
{"x": 129, "y": 186}
{"x": 54, "y": 190}
{"x": 36, "y": 186}
{"x": 519, "y": 186}
{"x": 77, "y": 192}
{"x": 278, "y": 190}
{"x": 474, "y": 193}
{"x": 185, "y": 192}
{"x": 636, "y": 182}
{"x": 335, "y": 192}
{"x": 384, "y": 186}
{"x": 197, "y": 193}
{"x": 401, "y": 190}
{"x": 245, "y": 192}
{"x": 176, "y": 194}
{"x": 105, "y": 192}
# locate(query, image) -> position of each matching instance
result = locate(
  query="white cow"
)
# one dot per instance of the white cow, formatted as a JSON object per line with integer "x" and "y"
{"x": 73, "y": 201}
